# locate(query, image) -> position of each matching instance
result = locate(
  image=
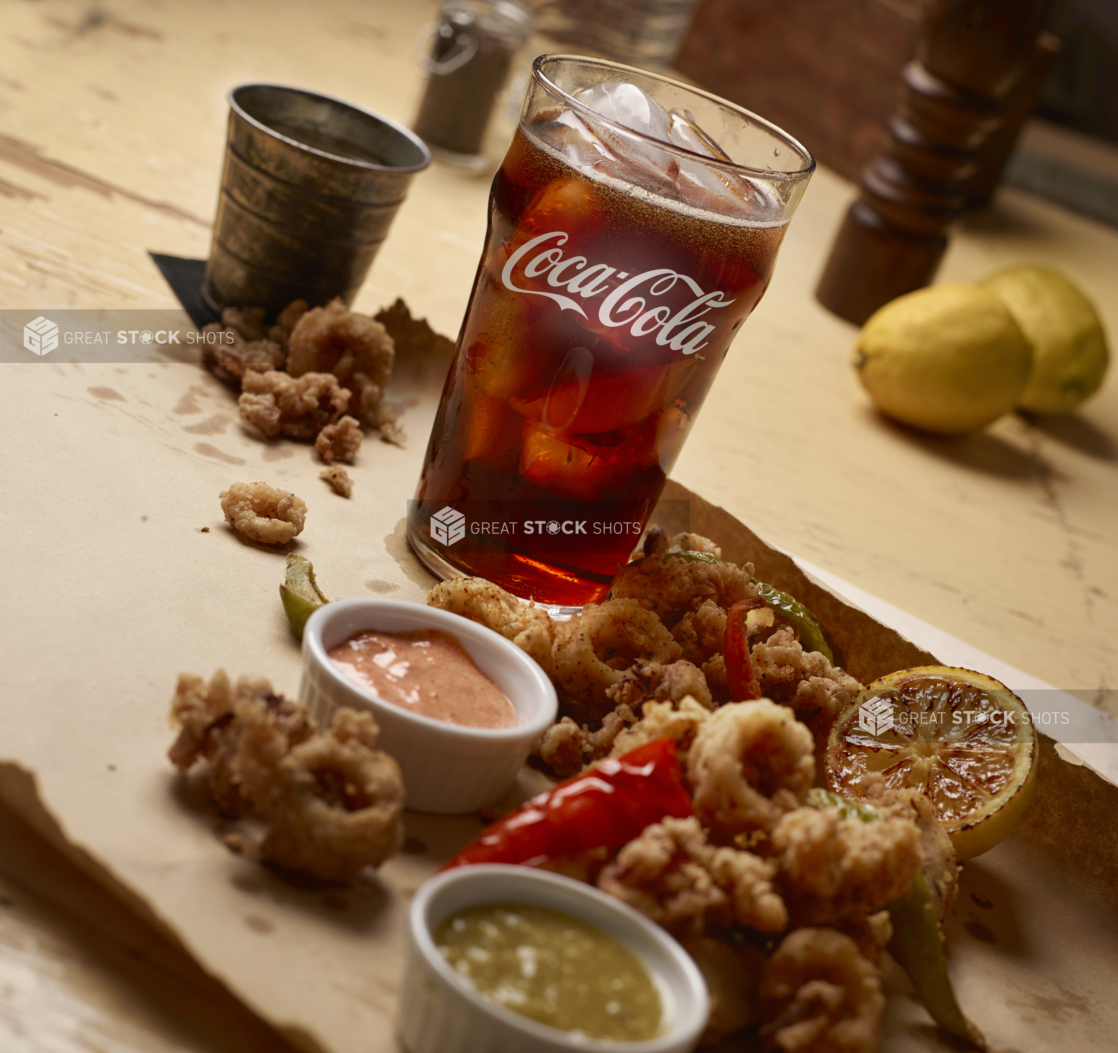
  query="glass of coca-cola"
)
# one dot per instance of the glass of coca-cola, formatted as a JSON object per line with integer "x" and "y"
{"x": 633, "y": 225}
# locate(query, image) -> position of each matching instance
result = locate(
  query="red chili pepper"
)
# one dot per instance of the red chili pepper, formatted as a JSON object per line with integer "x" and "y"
{"x": 607, "y": 806}
{"x": 735, "y": 650}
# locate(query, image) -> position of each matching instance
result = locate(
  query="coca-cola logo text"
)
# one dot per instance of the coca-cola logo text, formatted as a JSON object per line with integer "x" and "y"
{"x": 678, "y": 329}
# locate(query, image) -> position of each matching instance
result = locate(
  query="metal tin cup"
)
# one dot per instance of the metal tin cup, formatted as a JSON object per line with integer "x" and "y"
{"x": 308, "y": 191}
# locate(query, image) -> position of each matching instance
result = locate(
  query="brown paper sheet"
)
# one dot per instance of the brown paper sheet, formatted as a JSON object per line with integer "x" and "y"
{"x": 112, "y": 587}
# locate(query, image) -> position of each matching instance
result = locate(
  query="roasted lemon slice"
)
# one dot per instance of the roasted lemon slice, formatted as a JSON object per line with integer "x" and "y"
{"x": 963, "y": 738}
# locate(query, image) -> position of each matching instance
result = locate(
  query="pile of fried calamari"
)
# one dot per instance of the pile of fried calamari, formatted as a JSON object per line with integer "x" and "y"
{"x": 777, "y": 890}
{"x": 318, "y": 375}
{"x": 327, "y": 801}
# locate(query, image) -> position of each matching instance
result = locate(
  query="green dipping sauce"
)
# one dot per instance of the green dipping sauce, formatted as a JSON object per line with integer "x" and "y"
{"x": 553, "y": 968}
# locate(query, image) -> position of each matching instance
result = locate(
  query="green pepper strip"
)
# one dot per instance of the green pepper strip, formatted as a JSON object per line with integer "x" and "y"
{"x": 693, "y": 557}
{"x": 848, "y": 809}
{"x": 917, "y": 942}
{"x": 300, "y": 593}
{"x": 813, "y": 637}
{"x": 917, "y": 945}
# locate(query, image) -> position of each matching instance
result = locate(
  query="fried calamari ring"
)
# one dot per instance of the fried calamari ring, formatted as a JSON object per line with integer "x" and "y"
{"x": 525, "y": 624}
{"x": 263, "y": 513}
{"x": 353, "y": 347}
{"x": 749, "y": 764}
{"x": 819, "y": 995}
{"x": 594, "y": 649}
{"x": 333, "y": 803}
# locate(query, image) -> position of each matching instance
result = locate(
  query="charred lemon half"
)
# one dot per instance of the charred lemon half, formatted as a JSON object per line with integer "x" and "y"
{"x": 961, "y": 737}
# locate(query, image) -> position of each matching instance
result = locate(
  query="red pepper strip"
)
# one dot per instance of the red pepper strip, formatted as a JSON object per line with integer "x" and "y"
{"x": 607, "y": 806}
{"x": 735, "y": 650}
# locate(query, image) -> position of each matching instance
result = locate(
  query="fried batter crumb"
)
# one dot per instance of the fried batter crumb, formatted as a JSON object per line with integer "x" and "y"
{"x": 567, "y": 748}
{"x": 338, "y": 478}
{"x": 663, "y": 720}
{"x": 561, "y": 748}
{"x": 232, "y": 358}
{"x": 329, "y": 801}
{"x": 299, "y": 407}
{"x": 340, "y": 441}
{"x": 672, "y": 682}
{"x": 246, "y": 322}
{"x": 671, "y": 874}
{"x": 280, "y": 333}
{"x": 390, "y": 430}
{"x": 263, "y": 513}
{"x": 805, "y": 680}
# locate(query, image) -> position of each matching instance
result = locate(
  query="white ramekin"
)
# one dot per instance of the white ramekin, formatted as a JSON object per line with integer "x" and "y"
{"x": 446, "y": 768}
{"x": 441, "y": 1012}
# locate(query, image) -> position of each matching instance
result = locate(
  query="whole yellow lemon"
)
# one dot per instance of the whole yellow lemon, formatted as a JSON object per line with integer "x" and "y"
{"x": 948, "y": 359}
{"x": 1069, "y": 345}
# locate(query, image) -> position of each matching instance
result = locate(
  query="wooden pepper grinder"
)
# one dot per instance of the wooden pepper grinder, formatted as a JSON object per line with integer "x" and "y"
{"x": 971, "y": 55}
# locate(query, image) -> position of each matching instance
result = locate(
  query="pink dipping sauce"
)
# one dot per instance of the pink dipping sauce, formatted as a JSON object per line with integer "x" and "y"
{"x": 427, "y": 672}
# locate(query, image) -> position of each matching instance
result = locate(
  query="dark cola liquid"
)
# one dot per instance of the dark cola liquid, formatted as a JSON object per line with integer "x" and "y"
{"x": 597, "y": 323}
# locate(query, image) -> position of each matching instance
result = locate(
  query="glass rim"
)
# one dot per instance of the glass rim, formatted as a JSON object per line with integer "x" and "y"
{"x": 769, "y": 174}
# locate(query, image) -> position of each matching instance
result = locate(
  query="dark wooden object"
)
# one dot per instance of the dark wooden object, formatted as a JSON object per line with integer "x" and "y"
{"x": 823, "y": 70}
{"x": 1019, "y": 106}
{"x": 971, "y": 56}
